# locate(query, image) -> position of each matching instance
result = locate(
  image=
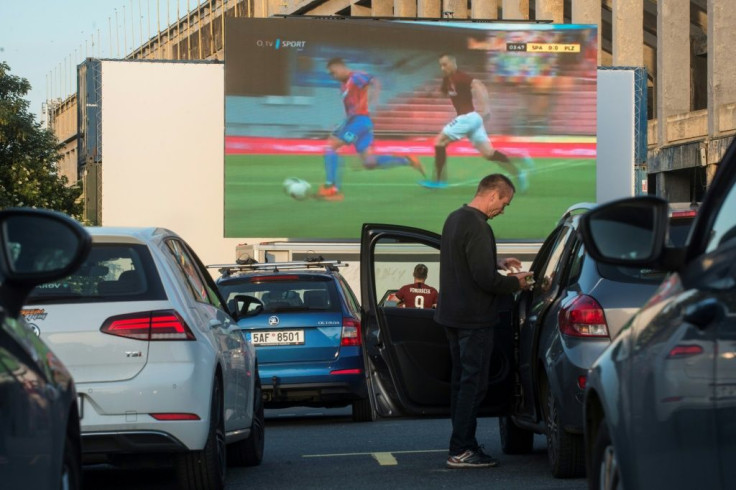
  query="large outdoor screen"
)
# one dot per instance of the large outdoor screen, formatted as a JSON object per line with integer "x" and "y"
{"x": 397, "y": 122}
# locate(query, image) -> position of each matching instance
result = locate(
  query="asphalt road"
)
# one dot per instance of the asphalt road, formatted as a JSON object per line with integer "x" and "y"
{"x": 324, "y": 449}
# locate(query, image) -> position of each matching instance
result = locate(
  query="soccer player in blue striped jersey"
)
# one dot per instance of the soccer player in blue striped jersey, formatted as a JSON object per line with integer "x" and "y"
{"x": 359, "y": 91}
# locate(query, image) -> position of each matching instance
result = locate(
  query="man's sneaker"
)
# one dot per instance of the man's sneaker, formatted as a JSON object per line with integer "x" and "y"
{"x": 330, "y": 193}
{"x": 472, "y": 459}
{"x": 416, "y": 164}
{"x": 433, "y": 184}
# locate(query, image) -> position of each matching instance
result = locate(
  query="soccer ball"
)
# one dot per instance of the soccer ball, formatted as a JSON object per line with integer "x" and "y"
{"x": 298, "y": 189}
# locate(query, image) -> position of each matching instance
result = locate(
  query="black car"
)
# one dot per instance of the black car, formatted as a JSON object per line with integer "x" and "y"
{"x": 305, "y": 322}
{"x": 562, "y": 326}
{"x": 660, "y": 402}
{"x": 40, "y": 445}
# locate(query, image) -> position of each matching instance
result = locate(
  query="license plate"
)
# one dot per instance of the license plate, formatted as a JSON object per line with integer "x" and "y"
{"x": 278, "y": 337}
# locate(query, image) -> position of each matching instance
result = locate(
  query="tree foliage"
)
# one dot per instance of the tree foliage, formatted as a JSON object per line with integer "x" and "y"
{"x": 29, "y": 155}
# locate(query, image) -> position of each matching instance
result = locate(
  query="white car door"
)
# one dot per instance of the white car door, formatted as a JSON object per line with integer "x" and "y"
{"x": 224, "y": 334}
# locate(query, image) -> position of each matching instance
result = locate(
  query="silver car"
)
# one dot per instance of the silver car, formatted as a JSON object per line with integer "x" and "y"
{"x": 660, "y": 404}
{"x": 162, "y": 369}
{"x": 577, "y": 306}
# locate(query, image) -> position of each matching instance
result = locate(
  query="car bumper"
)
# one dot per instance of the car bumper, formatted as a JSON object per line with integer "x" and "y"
{"x": 568, "y": 362}
{"x": 116, "y": 416}
{"x": 316, "y": 384}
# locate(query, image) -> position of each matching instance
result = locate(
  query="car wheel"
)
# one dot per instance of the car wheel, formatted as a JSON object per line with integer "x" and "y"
{"x": 249, "y": 452}
{"x": 205, "y": 469}
{"x": 514, "y": 439}
{"x": 71, "y": 471}
{"x": 605, "y": 471}
{"x": 564, "y": 450}
{"x": 363, "y": 411}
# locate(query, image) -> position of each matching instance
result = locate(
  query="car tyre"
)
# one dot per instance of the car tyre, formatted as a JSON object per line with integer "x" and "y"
{"x": 71, "y": 471}
{"x": 249, "y": 452}
{"x": 565, "y": 451}
{"x": 514, "y": 439}
{"x": 363, "y": 411}
{"x": 605, "y": 471}
{"x": 205, "y": 469}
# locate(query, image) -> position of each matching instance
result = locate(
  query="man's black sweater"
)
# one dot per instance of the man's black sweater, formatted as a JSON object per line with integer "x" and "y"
{"x": 469, "y": 279}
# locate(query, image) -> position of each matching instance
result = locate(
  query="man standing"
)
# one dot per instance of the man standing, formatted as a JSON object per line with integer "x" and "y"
{"x": 470, "y": 285}
{"x": 418, "y": 294}
{"x": 359, "y": 91}
{"x": 463, "y": 89}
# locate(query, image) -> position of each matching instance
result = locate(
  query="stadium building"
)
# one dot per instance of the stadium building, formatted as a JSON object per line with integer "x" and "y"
{"x": 684, "y": 46}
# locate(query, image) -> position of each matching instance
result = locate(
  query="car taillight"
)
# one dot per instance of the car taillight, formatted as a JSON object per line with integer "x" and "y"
{"x": 347, "y": 371}
{"x": 175, "y": 416}
{"x": 350, "y": 332}
{"x": 687, "y": 213}
{"x": 285, "y": 277}
{"x": 583, "y": 317}
{"x": 149, "y": 325}
{"x": 680, "y": 351}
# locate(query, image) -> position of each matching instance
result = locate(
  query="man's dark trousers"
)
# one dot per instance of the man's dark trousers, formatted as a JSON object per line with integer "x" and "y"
{"x": 470, "y": 350}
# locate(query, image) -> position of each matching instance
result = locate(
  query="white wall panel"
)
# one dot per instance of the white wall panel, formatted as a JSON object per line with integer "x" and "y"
{"x": 162, "y": 151}
{"x": 615, "y": 140}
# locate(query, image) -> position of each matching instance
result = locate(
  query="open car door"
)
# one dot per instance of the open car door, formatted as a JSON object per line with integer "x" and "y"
{"x": 406, "y": 353}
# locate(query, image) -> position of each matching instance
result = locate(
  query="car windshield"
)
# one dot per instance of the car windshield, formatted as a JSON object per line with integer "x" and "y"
{"x": 112, "y": 272}
{"x": 280, "y": 293}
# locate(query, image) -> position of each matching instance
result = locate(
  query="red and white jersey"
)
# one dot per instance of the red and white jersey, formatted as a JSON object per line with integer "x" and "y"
{"x": 457, "y": 86}
{"x": 418, "y": 295}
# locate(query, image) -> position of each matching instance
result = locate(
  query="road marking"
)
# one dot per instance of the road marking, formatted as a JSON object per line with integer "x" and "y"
{"x": 383, "y": 458}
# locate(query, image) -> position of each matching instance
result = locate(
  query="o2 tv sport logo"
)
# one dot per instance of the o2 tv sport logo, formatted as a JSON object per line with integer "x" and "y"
{"x": 279, "y": 43}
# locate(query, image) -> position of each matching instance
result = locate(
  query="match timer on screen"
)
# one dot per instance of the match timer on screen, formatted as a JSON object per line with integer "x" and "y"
{"x": 543, "y": 47}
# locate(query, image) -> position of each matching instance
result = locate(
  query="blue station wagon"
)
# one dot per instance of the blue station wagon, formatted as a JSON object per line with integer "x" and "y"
{"x": 305, "y": 322}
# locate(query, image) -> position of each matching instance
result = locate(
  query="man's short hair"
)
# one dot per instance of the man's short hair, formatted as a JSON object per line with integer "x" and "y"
{"x": 495, "y": 182}
{"x": 420, "y": 271}
{"x": 335, "y": 61}
{"x": 449, "y": 56}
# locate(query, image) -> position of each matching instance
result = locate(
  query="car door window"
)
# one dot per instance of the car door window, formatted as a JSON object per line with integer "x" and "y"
{"x": 394, "y": 264}
{"x": 547, "y": 275}
{"x": 724, "y": 226}
{"x": 577, "y": 257}
{"x": 188, "y": 268}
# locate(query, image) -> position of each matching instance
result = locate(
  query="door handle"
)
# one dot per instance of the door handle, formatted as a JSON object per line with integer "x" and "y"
{"x": 214, "y": 323}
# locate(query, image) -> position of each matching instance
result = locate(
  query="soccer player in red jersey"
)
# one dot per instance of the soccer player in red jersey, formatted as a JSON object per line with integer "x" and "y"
{"x": 463, "y": 89}
{"x": 359, "y": 91}
{"x": 418, "y": 294}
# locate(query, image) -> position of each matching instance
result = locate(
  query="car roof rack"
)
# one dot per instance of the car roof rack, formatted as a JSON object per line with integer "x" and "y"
{"x": 229, "y": 269}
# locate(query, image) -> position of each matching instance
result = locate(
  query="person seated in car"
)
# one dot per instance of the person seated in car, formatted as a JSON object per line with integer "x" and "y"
{"x": 418, "y": 294}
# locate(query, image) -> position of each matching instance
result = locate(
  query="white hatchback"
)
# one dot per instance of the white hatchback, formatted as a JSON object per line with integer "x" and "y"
{"x": 162, "y": 370}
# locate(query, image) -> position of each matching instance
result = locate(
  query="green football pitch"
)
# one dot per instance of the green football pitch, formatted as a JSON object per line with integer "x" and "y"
{"x": 257, "y": 206}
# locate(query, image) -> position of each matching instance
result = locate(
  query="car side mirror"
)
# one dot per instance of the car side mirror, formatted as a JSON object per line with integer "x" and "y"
{"x": 37, "y": 246}
{"x": 628, "y": 232}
